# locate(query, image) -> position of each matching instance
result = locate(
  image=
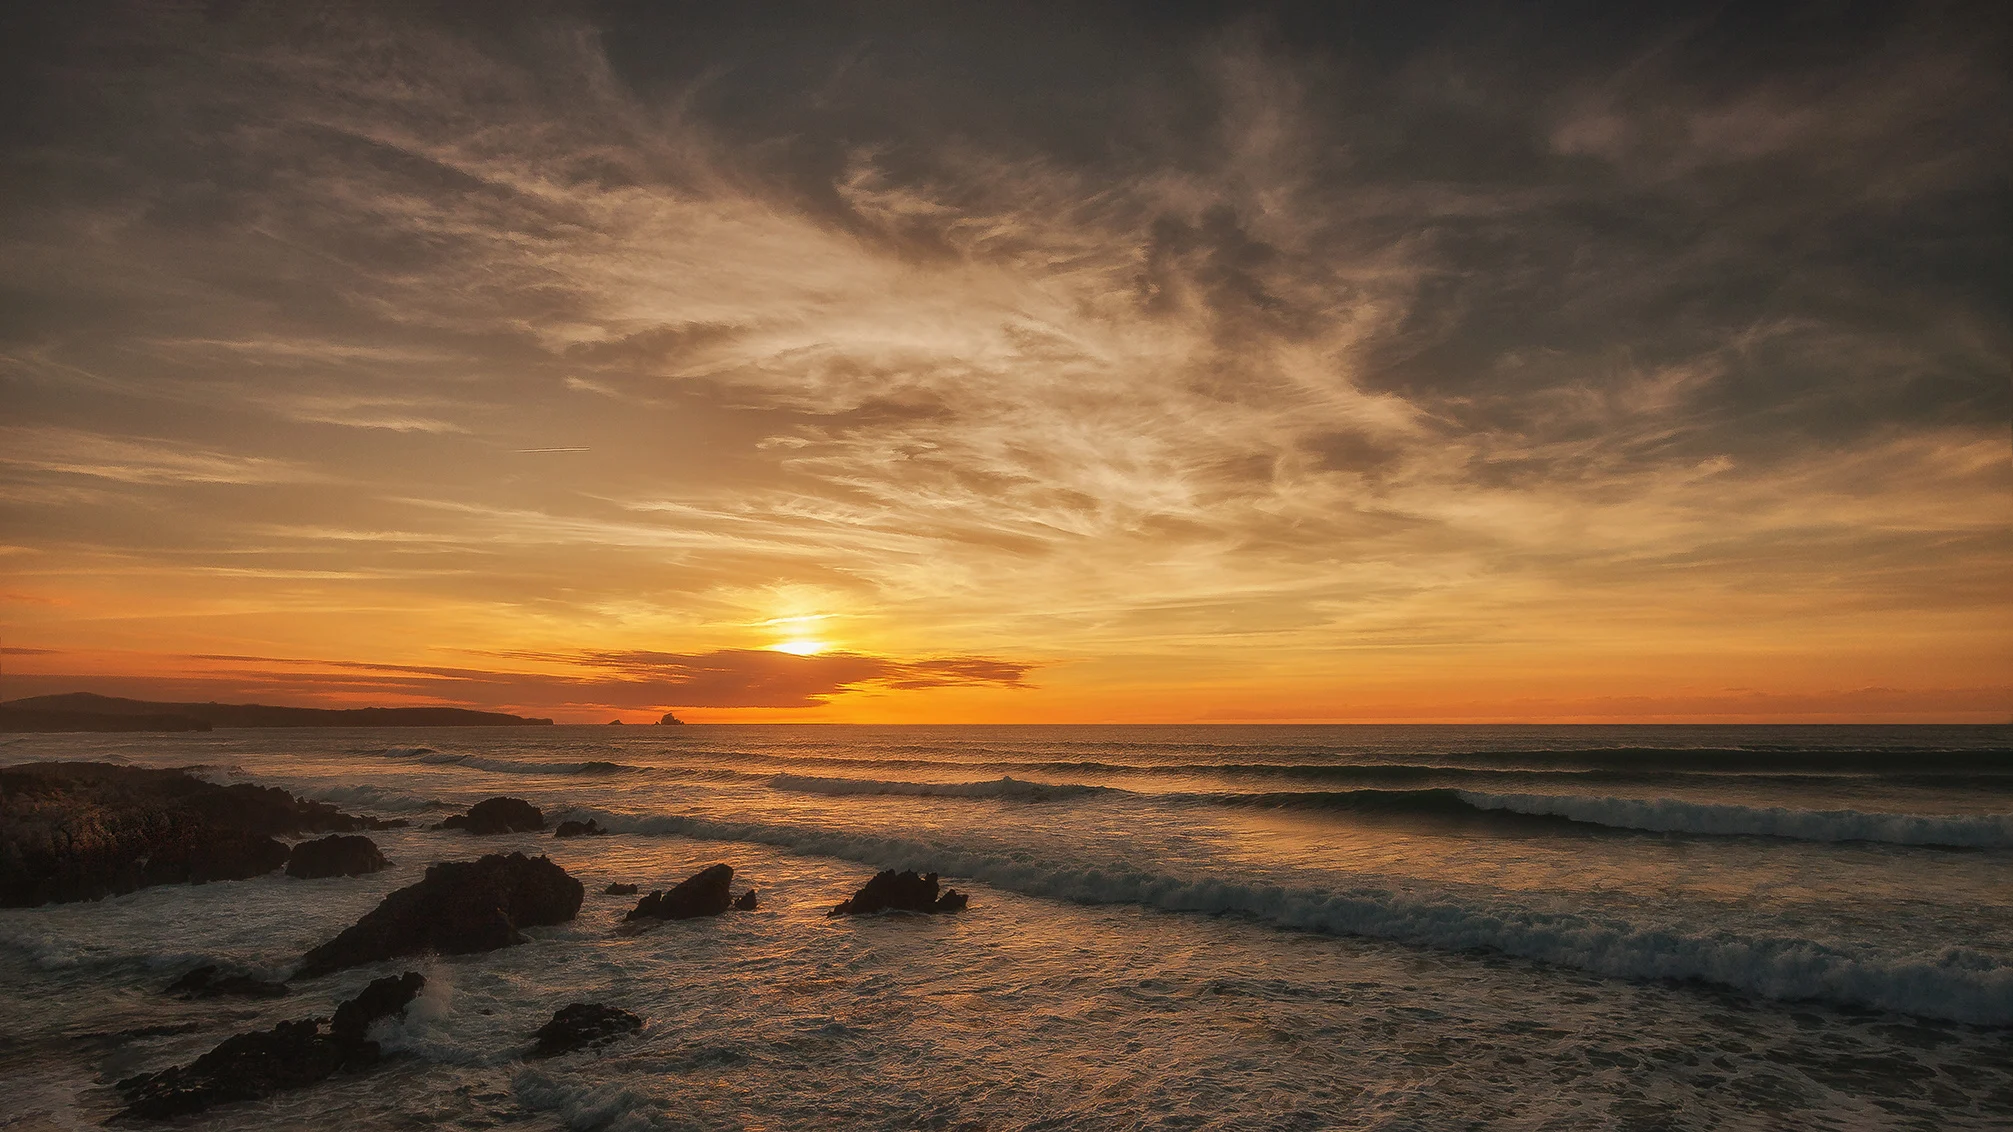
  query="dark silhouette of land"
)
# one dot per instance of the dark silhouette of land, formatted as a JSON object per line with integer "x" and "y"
{"x": 88, "y": 711}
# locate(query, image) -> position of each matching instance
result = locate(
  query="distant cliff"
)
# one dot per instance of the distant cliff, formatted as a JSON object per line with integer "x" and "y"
{"x": 86, "y": 711}
{"x": 38, "y": 719}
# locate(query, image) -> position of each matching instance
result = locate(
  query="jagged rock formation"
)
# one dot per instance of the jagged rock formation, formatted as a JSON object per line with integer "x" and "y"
{"x": 290, "y": 1055}
{"x": 381, "y": 999}
{"x": 337, "y": 855}
{"x": 891, "y": 891}
{"x": 582, "y": 1024}
{"x": 707, "y": 892}
{"x": 498, "y": 815}
{"x": 80, "y": 831}
{"x": 457, "y": 908}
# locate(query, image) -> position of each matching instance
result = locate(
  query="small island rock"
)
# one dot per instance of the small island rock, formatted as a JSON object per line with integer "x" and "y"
{"x": 457, "y": 908}
{"x": 337, "y": 855}
{"x": 619, "y": 890}
{"x": 588, "y": 828}
{"x": 498, "y": 815}
{"x": 901, "y": 892}
{"x": 707, "y": 892}
{"x": 582, "y": 1024}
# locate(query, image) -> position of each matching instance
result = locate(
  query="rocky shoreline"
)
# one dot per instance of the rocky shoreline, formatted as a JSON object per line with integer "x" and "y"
{"x": 79, "y": 831}
{"x": 82, "y": 830}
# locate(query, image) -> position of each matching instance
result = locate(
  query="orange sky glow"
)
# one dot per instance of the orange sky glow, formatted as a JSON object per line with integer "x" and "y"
{"x": 418, "y": 370}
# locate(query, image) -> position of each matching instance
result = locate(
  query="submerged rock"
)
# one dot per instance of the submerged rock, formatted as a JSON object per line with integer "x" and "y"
{"x": 891, "y": 891}
{"x": 589, "y": 828}
{"x": 81, "y": 831}
{"x": 209, "y": 981}
{"x": 337, "y": 855}
{"x": 582, "y": 1024}
{"x": 707, "y": 892}
{"x": 619, "y": 890}
{"x": 246, "y": 1067}
{"x": 457, "y": 908}
{"x": 498, "y": 815}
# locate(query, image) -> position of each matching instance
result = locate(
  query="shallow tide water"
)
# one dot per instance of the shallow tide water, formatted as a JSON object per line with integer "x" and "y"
{"x": 1215, "y": 927}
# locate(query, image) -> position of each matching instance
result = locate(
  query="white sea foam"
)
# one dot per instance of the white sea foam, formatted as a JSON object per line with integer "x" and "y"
{"x": 54, "y": 950}
{"x": 589, "y": 1108}
{"x": 369, "y": 796}
{"x": 1956, "y": 983}
{"x": 1006, "y": 787}
{"x": 1668, "y": 815}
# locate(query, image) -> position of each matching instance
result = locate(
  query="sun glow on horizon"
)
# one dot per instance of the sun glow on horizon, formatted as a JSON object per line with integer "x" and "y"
{"x": 801, "y": 647}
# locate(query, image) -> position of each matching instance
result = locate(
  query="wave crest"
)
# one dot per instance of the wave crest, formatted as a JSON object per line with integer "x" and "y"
{"x": 1004, "y": 787}
{"x": 1956, "y": 984}
{"x": 1669, "y": 815}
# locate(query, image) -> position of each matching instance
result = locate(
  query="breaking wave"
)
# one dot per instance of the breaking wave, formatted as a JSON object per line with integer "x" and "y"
{"x": 1957, "y": 984}
{"x": 1658, "y": 815}
{"x": 507, "y": 766}
{"x": 1007, "y": 787}
{"x": 1668, "y": 815}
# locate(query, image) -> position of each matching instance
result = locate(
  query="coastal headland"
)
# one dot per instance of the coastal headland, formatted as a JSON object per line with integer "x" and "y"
{"x": 88, "y": 711}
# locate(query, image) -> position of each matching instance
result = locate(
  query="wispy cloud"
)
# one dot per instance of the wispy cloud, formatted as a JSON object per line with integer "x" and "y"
{"x": 1236, "y": 349}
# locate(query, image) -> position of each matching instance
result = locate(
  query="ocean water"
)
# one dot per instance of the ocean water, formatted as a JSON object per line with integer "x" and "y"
{"x": 1170, "y": 927}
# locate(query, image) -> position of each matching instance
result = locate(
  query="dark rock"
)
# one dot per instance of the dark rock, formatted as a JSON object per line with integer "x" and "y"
{"x": 337, "y": 855}
{"x": 901, "y": 892}
{"x": 80, "y": 831}
{"x": 382, "y": 999}
{"x": 457, "y": 908}
{"x": 671, "y": 720}
{"x": 589, "y": 828}
{"x": 290, "y": 1055}
{"x": 578, "y": 1026}
{"x": 209, "y": 982}
{"x": 498, "y": 815}
{"x": 704, "y": 893}
{"x": 619, "y": 890}
{"x": 582, "y": 1024}
{"x": 271, "y": 810}
{"x": 745, "y": 902}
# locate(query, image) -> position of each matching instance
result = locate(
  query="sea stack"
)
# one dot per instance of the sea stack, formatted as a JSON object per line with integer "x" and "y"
{"x": 458, "y": 908}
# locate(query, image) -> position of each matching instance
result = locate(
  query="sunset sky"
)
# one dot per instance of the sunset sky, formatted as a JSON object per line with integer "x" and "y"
{"x": 1004, "y": 363}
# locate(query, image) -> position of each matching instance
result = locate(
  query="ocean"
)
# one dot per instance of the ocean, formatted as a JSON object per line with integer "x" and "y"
{"x": 1170, "y": 927}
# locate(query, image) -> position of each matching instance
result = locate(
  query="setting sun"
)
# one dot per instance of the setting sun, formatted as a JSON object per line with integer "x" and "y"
{"x": 801, "y": 647}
